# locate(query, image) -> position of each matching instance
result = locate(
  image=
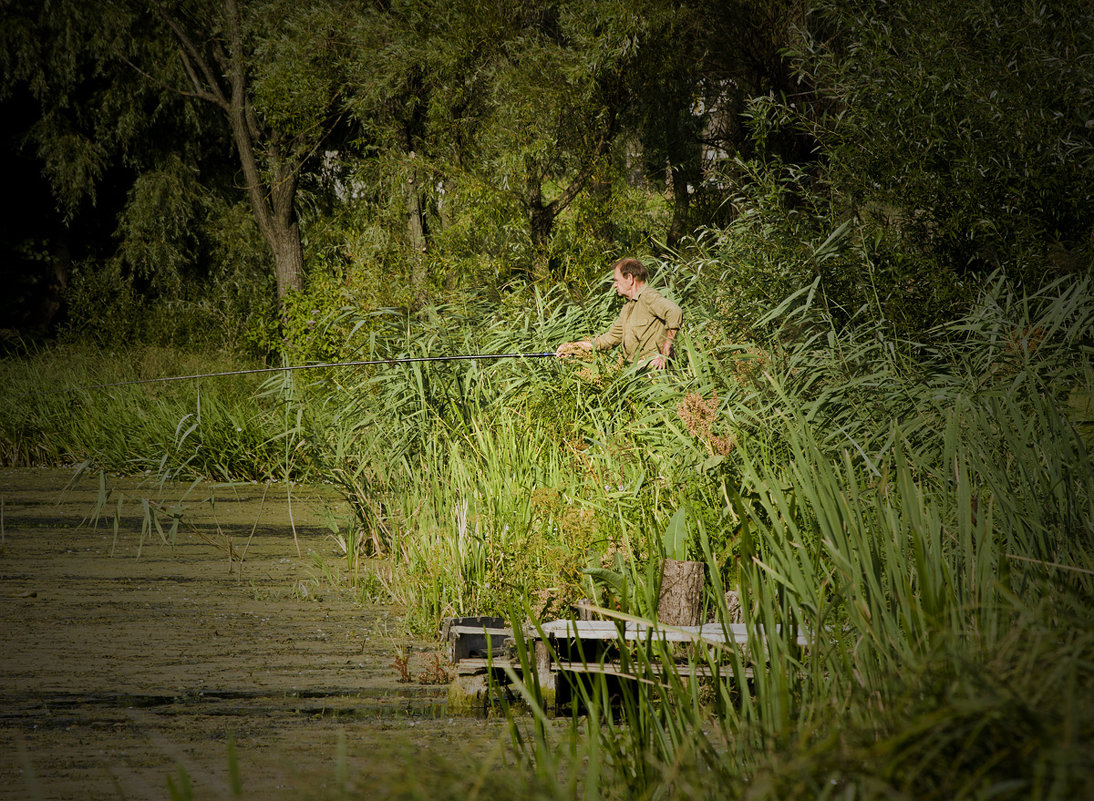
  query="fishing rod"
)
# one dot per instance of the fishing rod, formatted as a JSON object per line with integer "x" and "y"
{"x": 369, "y": 363}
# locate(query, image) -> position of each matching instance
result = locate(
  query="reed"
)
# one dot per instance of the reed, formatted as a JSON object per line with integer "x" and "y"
{"x": 224, "y": 428}
{"x": 923, "y": 509}
{"x": 928, "y": 522}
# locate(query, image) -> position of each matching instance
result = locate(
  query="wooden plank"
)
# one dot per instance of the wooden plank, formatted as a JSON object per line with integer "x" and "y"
{"x": 479, "y": 630}
{"x": 471, "y": 666}
{"x": 477, "y": 622}
{"x": 614, "y": 669}
{"x": 609, "y": 630}
{"x": 477, "y": 665}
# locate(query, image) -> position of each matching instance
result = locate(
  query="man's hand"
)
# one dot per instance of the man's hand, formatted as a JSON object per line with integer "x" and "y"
{"x": 661, "y": 360}
{"x": 568, "y": 349}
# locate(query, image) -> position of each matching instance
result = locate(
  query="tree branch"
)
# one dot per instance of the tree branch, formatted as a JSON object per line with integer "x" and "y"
{"x": 190, "y": 51}
{"x": 166, "y": 86}
{"x": 557, "y": 205}
{"x": 217, "y": 97}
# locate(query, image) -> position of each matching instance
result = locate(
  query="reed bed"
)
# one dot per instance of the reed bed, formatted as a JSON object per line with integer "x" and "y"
{"x": 55, "y": 412}
{"x": 923, "y": 509}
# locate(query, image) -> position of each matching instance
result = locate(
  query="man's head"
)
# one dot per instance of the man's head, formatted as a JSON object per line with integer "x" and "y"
{"x": 630, "y": 276}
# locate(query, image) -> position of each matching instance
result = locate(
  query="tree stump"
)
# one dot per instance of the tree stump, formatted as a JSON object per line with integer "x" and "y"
{"x": 681, "y": 592}
{"x": 582, "y": 610}
{"x": 734, "y": 613}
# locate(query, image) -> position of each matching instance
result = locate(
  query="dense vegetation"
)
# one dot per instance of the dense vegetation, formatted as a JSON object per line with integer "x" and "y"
{"x": 876, "y": 216}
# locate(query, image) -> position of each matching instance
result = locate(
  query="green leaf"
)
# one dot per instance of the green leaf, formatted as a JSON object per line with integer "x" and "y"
{"x": 613, "y": 581}
{"x": 712, "y": 462}
{"x": 676, "y": 536}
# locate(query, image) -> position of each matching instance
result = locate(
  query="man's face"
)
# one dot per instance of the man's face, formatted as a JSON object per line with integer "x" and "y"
{"x": 624, "y": 284}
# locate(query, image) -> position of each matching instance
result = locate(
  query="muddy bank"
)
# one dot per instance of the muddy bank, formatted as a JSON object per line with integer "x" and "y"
{"x": 117, "y": 669}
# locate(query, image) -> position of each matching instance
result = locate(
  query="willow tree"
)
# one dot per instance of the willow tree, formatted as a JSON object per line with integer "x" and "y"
{"x": 394, "y": 80}
{"x": 267, "y": 67}
{"x": 553, "y": 105}
{"x": 109, "y": 73}
{"x": 963, "y": 131}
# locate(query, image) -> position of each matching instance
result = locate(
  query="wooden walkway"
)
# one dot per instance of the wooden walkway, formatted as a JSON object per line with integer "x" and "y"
{"x": 481, "y": 648}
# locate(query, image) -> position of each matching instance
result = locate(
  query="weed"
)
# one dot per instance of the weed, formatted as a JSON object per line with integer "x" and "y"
{"x": 434, "y": 672}
{"x": 401, "y": 664}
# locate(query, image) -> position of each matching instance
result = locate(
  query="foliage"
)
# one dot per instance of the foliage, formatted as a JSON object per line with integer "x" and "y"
{"x": 919, "y": 507}
{"x": 930, "y": 532}
{"x": 962, "y": 132}
{"x": 215, "y": 428}
{"x": 880, "y": 418}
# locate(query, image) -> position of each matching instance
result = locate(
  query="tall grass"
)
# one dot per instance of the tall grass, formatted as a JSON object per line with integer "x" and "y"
{"x": 54, "y": 413}
{"x": 487, "y": 483}
{"x": 923, "y": 509}
{"x": 928, "y": 522}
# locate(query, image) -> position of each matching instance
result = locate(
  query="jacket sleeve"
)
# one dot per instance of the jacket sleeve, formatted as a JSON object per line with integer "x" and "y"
{"x": 612, "y": 337}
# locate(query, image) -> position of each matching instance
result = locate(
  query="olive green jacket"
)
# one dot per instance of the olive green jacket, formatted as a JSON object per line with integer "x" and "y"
{"x": 641, "y": 326}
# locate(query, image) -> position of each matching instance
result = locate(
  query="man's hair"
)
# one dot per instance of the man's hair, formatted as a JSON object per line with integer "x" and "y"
{"x": 633, "y": 267}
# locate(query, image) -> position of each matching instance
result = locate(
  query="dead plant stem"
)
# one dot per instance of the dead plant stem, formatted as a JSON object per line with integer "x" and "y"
{"x": 261, "y": 504}
{"x": 288, "y": 495}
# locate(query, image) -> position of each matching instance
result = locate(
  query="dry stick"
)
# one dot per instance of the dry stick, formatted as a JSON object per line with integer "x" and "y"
{"x": 227, "y": 540}
{"x": 3, "y": 535}
{"x": 288, "y": 494}
{"x": 261, "y": 504}
{"x": 1050, "y": 564}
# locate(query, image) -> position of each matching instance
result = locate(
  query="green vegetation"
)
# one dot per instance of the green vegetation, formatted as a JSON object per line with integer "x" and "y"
{"x": 923, "y": 508}
{"x": 877, "y": 218}
{"x": 928, "y": 521}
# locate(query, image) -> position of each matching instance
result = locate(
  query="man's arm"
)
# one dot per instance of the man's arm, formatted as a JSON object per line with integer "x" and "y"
{"x": 612, "y": 337}
{"x": 673, "y": 316}
{"x": 609, "y": 339}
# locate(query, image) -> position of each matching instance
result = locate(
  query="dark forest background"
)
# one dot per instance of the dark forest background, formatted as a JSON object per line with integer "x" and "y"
{"x": 213, "y": 173}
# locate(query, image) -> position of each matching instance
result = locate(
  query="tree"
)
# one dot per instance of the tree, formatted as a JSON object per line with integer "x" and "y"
{"x": 963, "y": 131}
{"x": 515, "y": 100}
{"x": 86, "y": 125}
{"x": 522, "y": 100}
{"x": 118, "y": 80}
{"x": 392, "y": 84}
{"x": 698, "y": 64}
{"x": 268, "y": 72}
{"x": 554, "y": 106}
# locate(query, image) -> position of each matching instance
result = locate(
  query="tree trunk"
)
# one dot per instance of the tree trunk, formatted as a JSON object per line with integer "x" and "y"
{"x": 288, "y": 256}
{"x": 416, "y": 234}
{"x": 542, "y": 216}
{"x": 541, "y": 220}
{"x": 217, "y": 72}
{"x": 681, "y": 592}
{"x": 600, "y": 189}
{"x": 681, "y": 202}
{"x": 275, "y": 213}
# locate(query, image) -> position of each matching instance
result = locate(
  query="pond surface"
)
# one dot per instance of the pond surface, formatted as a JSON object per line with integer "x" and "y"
{"x": 115, "y": 670}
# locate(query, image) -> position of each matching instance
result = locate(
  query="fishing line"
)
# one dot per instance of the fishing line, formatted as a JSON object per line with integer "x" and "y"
{"x": 370, "y": 363}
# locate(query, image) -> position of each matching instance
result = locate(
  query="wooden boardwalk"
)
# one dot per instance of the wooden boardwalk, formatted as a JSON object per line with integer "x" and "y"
{"x": 481, "y": 648}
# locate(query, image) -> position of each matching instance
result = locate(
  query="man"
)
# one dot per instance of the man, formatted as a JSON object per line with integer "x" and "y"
{"x": 645, "y": 328}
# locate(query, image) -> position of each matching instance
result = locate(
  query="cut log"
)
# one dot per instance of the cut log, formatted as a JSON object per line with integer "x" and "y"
{"x": 733, "y": 607}
{"x": 681, "y": 592}
{"x": 583, "y": 609}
